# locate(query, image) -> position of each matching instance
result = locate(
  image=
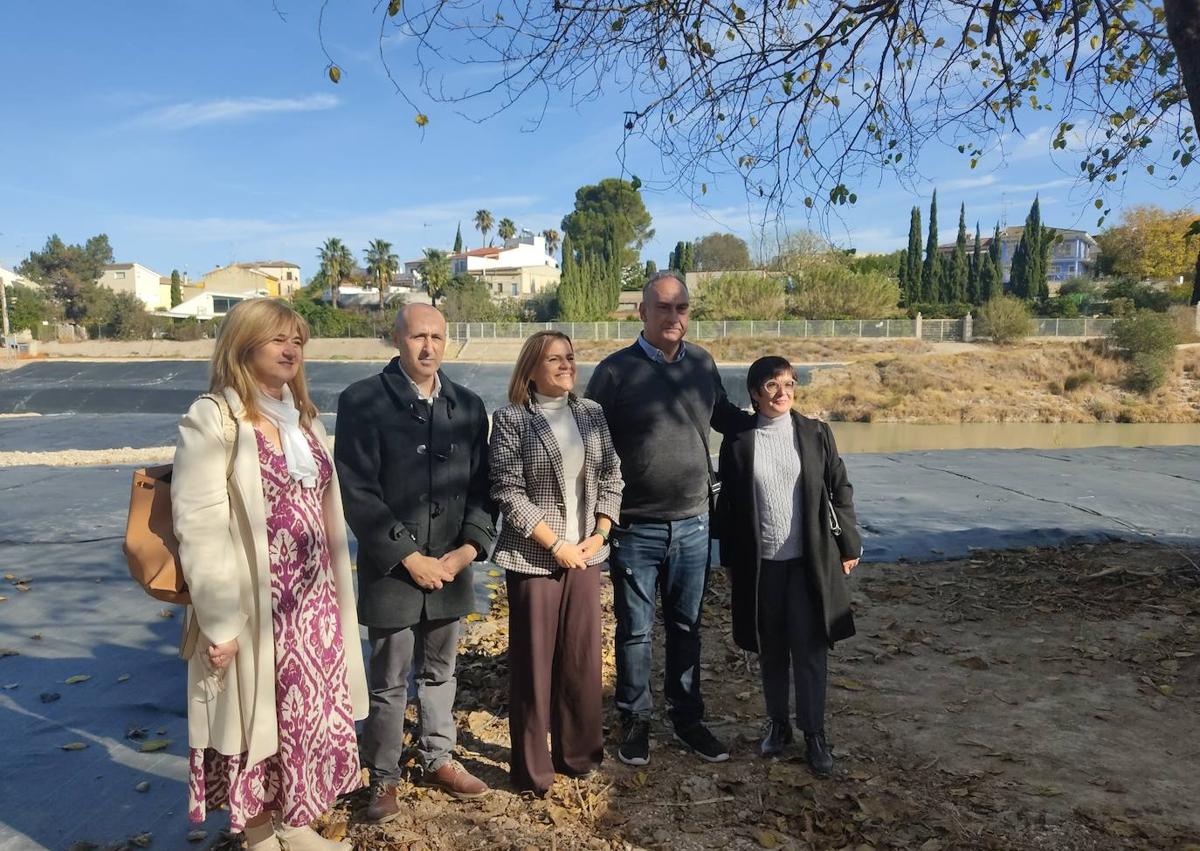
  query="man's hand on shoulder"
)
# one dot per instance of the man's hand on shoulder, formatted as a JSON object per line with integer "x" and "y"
{"x": 428, "y": 572}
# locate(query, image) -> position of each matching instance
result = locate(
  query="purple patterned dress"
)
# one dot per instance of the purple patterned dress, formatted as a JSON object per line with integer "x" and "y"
{"x": 318, "y": 751}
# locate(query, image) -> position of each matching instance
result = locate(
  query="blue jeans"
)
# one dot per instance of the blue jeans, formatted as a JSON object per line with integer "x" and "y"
{"x": 672, "y": 558}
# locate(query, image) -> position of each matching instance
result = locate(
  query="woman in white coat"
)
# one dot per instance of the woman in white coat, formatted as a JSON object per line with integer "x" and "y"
{"x": 275, "y": 679}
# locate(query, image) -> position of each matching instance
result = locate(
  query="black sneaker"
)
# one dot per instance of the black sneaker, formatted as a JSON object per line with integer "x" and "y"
{"x": 705, "y": 744}
{"x": 635, "y": 746}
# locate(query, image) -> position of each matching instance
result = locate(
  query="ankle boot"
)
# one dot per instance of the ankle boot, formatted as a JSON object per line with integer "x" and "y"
{"x": 307, "y": 839}
{"x": 818, "y": 754}
{"x": 776, "y": 737}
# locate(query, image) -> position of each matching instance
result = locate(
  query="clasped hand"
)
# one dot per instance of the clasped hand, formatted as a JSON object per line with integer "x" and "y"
{"x": 575, "y": 556}
{"x": 432, "y": 573}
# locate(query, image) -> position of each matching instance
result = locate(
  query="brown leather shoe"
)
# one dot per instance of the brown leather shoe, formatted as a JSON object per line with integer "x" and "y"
{"x": 457, "y": 782}
{"x": 384, "y": 806}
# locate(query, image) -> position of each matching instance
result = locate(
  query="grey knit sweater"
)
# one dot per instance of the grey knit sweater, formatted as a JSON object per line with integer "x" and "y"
{"x": 777, "y": 487}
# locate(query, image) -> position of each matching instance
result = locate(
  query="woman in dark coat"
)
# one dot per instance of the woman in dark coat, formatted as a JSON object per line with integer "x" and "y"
{"x": 785, "y": 517}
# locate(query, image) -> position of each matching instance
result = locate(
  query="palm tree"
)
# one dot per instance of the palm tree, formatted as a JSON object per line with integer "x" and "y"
{"x": 552, "y": 240}
{"x": 336, "y": 265}
{"x": 382, "y": 265}
{"x": 436, "y": 272}
{"x": 483, "y": 222}
{"x": 506, "y": 229}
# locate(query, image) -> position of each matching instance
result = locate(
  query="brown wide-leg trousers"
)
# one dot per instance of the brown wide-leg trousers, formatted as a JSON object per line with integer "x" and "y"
{"x": 554, "y": 675}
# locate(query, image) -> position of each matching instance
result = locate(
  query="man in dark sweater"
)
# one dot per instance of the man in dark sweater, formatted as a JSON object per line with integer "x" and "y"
{"x": 658, "y": 395}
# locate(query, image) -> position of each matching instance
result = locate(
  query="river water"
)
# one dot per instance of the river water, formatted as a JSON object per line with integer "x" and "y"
{"x": 901, "y": 437}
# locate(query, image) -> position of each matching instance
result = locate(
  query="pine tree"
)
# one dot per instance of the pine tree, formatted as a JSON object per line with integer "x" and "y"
{"x": 458, "y": 243}
{"x": 914, "y": 291}
{"x": 973, "y": 273}
{"x": 989, "y": 279}
{"x": 955, "y": 278}
{"x": 931, "y": 272}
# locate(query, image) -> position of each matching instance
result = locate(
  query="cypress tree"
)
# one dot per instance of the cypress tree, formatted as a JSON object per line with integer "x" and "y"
{"x": 973, "y": 276}
{"x": 458, "y": 244}
{"x": 913, "y": 277}
{"x": 1018, "y": 281}
{"x": 687, "y": 264}
{"x": 902, "y": 278}
{"x": 1031, "y": 259}
{"x": 955, "y": 277}
{"x": 931, "y": 272}
{"x": 989, "y": 279}
{"x": 997, "y": 265}
{"x": 651, "y": 269}
{"x": 677, "y": 258}
{"x": 570, "y": 295}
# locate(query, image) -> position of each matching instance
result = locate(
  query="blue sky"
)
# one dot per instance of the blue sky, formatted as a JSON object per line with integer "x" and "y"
{"x": 200, "y": 132}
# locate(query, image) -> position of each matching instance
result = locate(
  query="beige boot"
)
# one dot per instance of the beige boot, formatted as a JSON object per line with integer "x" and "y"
{"x": 307, "y": 839}
{"x": 261, "y": 837}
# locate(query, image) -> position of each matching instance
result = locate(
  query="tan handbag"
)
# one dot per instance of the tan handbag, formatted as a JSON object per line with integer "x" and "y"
{"x": 151, "y": 547}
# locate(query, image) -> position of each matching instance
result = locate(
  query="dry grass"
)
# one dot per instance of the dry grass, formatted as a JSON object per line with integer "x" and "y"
{"x": 795, "y": 349}
{"x": 1055, "y": 383}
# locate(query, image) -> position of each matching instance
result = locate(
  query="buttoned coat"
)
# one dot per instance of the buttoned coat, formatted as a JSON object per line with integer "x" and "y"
{"x": 223, "y": 551}
{"x": 414, "y": 479}
{"x": 826, "y": 494}
{"x": 528, "y": 482}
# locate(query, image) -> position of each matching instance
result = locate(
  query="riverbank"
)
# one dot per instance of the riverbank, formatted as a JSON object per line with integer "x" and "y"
{"x": 1033, "y": 383}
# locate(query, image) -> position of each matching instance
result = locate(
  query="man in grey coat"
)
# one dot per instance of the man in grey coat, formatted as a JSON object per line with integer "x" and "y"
{"x": 411, "y": 453}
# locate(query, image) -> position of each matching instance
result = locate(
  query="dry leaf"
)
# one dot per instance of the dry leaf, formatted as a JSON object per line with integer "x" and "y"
{"x": 144, "y": 786}
{"x": 74, "y": 746}
{"x": 142, "y": 840}
{"x": 152, "y": 745}
{"x": 767, "y": 838}
{"x": 78, "y": 678}
{"x": 197, "y": 835}
{"x": 848, "y": 684}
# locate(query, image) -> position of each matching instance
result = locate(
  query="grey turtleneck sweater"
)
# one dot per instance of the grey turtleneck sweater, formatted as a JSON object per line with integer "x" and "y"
{"x": 777, "y": 487}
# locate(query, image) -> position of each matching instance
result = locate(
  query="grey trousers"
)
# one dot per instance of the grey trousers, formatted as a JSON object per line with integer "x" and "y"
{"x": 791, "y": 627}
{"x": 429, "y": 648}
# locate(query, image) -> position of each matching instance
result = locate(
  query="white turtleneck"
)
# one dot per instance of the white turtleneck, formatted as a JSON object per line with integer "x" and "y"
{"x": 557, "y": 412}
{"x": 777, "y": 487}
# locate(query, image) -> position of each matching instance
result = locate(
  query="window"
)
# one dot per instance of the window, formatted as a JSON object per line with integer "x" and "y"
{"x": 120, "y": 276}
{"x": 514, "y": 289}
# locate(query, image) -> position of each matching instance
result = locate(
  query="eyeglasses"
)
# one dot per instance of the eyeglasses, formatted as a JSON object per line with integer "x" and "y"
{"x": 772, "y": 387}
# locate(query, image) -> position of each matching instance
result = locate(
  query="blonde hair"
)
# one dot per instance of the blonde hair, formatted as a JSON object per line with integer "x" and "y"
{"x": 249, "y": 325}
{"x": 527, "y": 363}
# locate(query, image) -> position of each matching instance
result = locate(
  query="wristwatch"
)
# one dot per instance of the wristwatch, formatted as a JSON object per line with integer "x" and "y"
{"x": 603, "y": 533}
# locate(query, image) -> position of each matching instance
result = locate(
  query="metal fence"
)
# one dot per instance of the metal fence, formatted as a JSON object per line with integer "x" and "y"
{"x": 931, "y": 329}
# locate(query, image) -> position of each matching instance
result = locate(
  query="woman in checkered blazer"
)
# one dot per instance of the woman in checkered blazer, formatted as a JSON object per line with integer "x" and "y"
{"x": 557, "y": 480}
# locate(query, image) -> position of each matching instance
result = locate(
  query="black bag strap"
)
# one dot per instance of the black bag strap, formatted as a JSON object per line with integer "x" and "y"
{"x": 835, "y": 525}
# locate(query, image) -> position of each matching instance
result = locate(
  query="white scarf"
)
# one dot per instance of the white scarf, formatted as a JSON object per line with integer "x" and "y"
{"x": 283, "y": 415}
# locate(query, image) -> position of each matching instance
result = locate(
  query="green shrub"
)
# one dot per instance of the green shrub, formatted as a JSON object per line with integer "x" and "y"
{"x": 1005, "y": 319}
{"x": 1147, "y": 340}
{"x": 1076, "y": 380}
{"x": 1148, "y": 371}
{"x": 1145, "y": 332}
{"x": 831, "y": 291}
{"x": 742, "y": 295}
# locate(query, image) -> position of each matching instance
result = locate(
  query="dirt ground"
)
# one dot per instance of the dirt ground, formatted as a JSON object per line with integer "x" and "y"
{"x": 1039, "y": 699}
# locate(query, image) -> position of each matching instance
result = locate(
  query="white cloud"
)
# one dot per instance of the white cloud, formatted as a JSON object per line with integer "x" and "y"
{"x": 181, "y": 116}
{"x": 969, "y": 182}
